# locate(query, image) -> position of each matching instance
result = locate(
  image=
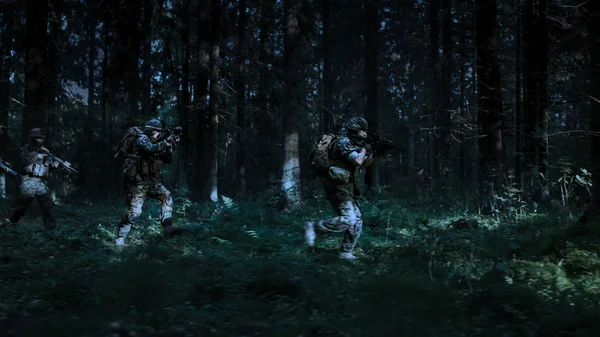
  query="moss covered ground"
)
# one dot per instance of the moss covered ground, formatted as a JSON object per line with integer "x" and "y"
{"x": 243, "y": 270}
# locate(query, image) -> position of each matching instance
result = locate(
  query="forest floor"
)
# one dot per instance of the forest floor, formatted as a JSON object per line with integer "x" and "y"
{"x": 243, "y": 270}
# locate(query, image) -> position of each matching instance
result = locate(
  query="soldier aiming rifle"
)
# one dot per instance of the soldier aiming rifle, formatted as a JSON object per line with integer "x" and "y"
{"x": 146, "y": 151}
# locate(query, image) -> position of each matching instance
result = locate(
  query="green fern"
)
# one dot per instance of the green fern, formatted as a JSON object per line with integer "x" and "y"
{"x": 253, "y": 234}
{"x": 219, "y": 240}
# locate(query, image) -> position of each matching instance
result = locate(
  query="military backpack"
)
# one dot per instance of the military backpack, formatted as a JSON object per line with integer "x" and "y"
{"x": 320, "y": 155}
{"x": 125, "y": 147}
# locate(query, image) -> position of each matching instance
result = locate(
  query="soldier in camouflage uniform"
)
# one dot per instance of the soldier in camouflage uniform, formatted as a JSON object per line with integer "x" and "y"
{"x": 142, "y": 170}
{"x": 36, "y": 165}
{"x": 349, "y": 154}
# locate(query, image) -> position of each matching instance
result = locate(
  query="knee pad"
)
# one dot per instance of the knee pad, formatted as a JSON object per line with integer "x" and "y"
{"x": 133, "y": 217}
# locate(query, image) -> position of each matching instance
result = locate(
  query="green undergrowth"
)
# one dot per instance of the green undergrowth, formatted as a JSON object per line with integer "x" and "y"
{"x": 242, "y": 270}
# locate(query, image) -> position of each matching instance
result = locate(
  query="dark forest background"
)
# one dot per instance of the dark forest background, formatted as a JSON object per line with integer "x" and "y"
{"x": 470, "y": 230}
{"x": 482, "y": 96}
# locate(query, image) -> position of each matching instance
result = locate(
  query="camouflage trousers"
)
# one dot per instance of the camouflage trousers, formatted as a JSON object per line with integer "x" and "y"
{"x": 29, "y": 189}
{"x": 349, "y": 219}
{"x": 135, "y": 195}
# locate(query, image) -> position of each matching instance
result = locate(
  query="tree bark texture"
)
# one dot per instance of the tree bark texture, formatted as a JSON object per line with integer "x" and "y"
{"x": 213, "y": 153}
{"x": 371, "y": 73}
{"x": 489, "y": 103}
{"x": 240, "y": 96}
{"x": 290, "y": 179}
{"x": 36, "y": 79}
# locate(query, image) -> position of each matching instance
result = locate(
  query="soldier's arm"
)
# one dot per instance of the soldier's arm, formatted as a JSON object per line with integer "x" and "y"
{"x": 27, "y": 158}
{"x": 355, "y": 155}
{"x": 52, "y": 164}
{"x": 144, "y": 144}
{"x": 368, "y": 158}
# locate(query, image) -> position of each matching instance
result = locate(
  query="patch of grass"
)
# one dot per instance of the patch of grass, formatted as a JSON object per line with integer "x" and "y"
{"x": 243, "y": 270}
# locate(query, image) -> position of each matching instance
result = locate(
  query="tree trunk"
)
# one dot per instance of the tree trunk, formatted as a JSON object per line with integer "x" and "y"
{"x": 213, "y": 158}
{"x": 241, "y": 94}
{"x": 87, "y": 160}
{"x": 200, "y": 176}
{"x": 290, "y": 179}
{"x": 147, "y": 65}
{"x": 7, "y": 43}
{"x": 184, "y": 104}
{"x": 265, "y": 131}
{"x": 443, "y": 117}
{"x": 131, "y": 42}
{"x": 519, "y": 99}
{"x": 434, "y": 88}
{"x": 463, "y": 118}
{"x": 3, "y": 121}
{"x": 536, "y": 98}
{"x": 489, "y": 99}
{"x": 52, "y": 92}
{"x": 529, "y": 97}
{"x": 328, "y": 117}
{"x": 107, "y": 96}
{"x": 372, "y": 113}
{"x": 593, "y": 9}
{"x": 541, "y": 32}
{"x": 36, "y": 80}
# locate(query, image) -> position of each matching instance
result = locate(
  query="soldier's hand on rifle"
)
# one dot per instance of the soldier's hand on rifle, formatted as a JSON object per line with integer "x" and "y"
{"x": 369, "y": 149}
{"x": 55, "y": 164}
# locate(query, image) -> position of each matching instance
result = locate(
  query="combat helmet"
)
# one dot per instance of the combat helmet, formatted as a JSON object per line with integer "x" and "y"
{"x": 153, "y": 125}
{"x": 36, "y": 133}
{"x": 357, "y": 123}
{"x": 353, "y": 125}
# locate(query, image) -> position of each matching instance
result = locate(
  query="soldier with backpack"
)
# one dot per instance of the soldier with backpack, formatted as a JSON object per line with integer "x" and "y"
{"x": 146, "y": 153}
{"x": 338, "y": 159}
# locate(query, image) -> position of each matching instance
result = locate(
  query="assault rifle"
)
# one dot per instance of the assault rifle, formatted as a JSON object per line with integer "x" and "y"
{"x": 64, "y": 164}
{"x": 172, "y": 134}
{"x": 381, "y": 146}
{"x": 6, "y": 167}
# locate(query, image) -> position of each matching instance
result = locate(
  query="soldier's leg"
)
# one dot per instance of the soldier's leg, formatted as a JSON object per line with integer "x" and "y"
{"x": 353, "y": 233}
{"x": 345, "y": 220}
{"x": 27, "y": 191}
{"x": 134, "y": 198}
{"x": 159, "y": 192}
{"x": 47, "y": 206}
{"x": 19, "y": 208}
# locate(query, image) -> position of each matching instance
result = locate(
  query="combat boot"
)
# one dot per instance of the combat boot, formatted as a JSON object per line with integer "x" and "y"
{"x": 122, "y": 232}
{"x": 309, "y": 233}
{"x": 169, "y": 230}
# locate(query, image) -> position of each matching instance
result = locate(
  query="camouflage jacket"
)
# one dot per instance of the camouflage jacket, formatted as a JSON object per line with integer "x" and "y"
{"x": 35, "y": 161}
{"x": 145, "y": 163}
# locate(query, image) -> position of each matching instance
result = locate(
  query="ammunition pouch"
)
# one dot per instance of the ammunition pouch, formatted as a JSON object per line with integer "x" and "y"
{"x": 39, "y": 170}
{"x": 130, "y": 166}
{"x": 339, "y": 175}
